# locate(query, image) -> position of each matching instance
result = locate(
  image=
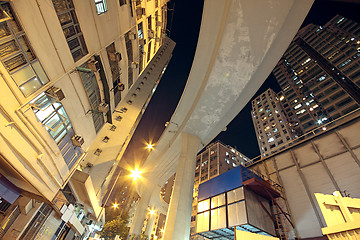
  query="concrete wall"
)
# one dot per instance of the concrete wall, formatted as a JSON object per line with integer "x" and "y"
{"x": 323, "y": 164}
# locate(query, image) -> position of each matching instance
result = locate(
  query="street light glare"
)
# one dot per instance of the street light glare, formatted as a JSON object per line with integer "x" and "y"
{"x": 135, "y": 174}
{"x": 150, "y": 146}
{"x": 115, "y": 205}
{"x": 152, "y": 211}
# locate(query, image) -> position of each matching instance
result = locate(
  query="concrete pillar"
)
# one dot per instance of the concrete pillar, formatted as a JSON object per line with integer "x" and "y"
{"x": 177, "y": 226}
{"x": 150, "y": 224}
{"x": 141, "y": 211}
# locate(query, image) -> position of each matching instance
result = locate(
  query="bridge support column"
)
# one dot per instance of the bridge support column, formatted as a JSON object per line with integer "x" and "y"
{"x": 150, "y": 224}
{"x": 178, "y": 219}
{"x": 141, "y": 211}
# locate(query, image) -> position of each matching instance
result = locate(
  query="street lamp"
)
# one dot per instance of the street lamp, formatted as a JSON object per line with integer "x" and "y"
{"x": 135, "y": 174}
{"x": 150, "y": 146}
{"x": 152, "y": 211}
{"x": 115, "y": 205}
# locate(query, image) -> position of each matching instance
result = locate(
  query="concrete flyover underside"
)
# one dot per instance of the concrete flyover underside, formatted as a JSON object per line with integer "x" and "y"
{"x": 240, "y": 42}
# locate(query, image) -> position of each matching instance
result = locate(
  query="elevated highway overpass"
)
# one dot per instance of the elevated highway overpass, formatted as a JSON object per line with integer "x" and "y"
{"x": 240, "y": 42}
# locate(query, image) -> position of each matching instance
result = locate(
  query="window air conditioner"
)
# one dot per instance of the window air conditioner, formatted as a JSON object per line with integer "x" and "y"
{"x": 103, "y": 107}
{"x": 142, "y": 41}
{"x": 77, "y": 140}
{"x": 151, "y": 34}
{"x": 56, "y": 93}
{"x": 134, "y": 65}
{"x": 121, "y": 87}
{"x": 116, "y": 56}
{"x": 140, "y": 11}
{"x": 132, "y": 36}
{"x": 93, "y": 65}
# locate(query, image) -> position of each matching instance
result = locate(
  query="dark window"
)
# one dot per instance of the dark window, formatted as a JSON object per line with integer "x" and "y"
{"x": 71, "y": 28}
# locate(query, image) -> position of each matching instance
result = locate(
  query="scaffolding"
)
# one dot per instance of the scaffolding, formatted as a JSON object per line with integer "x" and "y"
{"x": 274, "y": 192}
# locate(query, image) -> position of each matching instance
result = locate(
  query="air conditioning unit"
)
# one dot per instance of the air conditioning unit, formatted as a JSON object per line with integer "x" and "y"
{"x": 93, "y": 65}
{"x": 158, "y": 23}
{"x": 151, "y": 33}
{"x": 121, "y": 87}
{"x": 140, "y": 11}
{"x": 116, "y": 56}
{"x": 142, "y": 41}
{"x": 77, "y": 140}
{"x": 132, "y": 36}
{"x": 103, "y": 107}
{"x": 134, "y": 65}
{"x": 56, "y": 93}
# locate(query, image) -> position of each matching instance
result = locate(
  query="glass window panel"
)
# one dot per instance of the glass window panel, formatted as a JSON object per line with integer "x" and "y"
{"x": 23, "y": 75}
{"x": 69, "y": 31}
{"x": 83, "y": 45}
{"x": 62, "y": 112}
{"x": 40, "y": 72}
{"x": 204, "y": 205}
{"x": 31, "y": 86}
{"x": 8, "y": 48}
{"x": 26, "y": 47}
{"x": 235, "y": 195}
{"x": 61, "y": 131}
{"x": 74, "y": 43}
{"x": 77, "y": 54}
{"x": 237, "y": 214}
{"x": 43, "y": 101}
{"x": 202, "y": 222}
{"x": 218, "y": 200}
{"x": 218, "y": 218}
{"x": 65, "y": 18}
{"x": 13, "y": 21}
{"x": 15, "y": 62}
{"x": 60, "y": 5}
{"x": 4, "y": 30}
{"x": 73, "y": 16}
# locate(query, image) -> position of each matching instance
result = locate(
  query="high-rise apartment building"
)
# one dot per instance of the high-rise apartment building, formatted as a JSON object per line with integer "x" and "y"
{"x": 319, "y": 74}
{"x": 271, "y": 126}
{"x": 216, "y": 159}
{"x": 76, "y": 77}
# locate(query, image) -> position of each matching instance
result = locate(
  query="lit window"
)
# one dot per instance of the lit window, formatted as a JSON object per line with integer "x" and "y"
{"x": 267, "y": 128}
{"x": 282, "y": 98}
{"x": 306, "y": 61}
{"x": 298, "y": 106}
{"x": 260, "y": 110}
{"x": 275, "y": 130}
{"x": 271, "y": 139}
{"x": 301, "y": 111}
{"x": 101, "y": 6}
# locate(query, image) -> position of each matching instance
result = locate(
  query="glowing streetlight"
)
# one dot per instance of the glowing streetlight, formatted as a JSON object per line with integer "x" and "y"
{"x": 162, "y": 230}
{"x": 150, "y": 146}
{"x": 115, "y": 205}
{"x": 135, "y": 174}
{"x": 152, "y": 211}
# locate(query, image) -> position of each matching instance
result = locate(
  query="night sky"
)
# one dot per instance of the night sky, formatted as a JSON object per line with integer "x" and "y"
{"x": 184, "y": 24}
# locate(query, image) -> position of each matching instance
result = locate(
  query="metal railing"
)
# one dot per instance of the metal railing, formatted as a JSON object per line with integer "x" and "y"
{"x": 314, "y": 132}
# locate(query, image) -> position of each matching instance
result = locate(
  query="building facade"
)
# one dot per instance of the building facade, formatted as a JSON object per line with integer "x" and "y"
{"x": 216, "y": 159}
{"x": 319, "y": 74}
{"x": 72, "y": 72}
{"x": 319, "y": 77}
{"x": 272, "y": 128}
